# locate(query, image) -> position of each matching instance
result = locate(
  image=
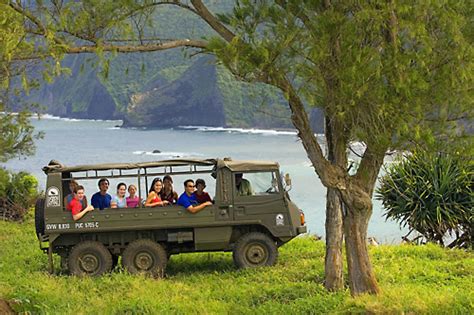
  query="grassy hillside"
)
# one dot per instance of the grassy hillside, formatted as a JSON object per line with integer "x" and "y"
{"x": 423, "y": 279}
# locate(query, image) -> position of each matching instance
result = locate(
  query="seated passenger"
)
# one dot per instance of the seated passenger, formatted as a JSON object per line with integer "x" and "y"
{"x": 132, "y": 200}
{"x": 153, "y": 199}
{"x": 72, "y": 185}
{"x": 119, "y": 201}
{"x": 201, "y": 195}
{"x": 243, "y": 186}
{"x": 75, "y": 206}
{"x": 101, "y": 199}
{"x": 188, "y": 198}
{"x": 168, "y": 193}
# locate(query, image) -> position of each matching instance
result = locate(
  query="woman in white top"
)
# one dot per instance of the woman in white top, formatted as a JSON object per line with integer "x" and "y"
{"x": 119, "y": 201}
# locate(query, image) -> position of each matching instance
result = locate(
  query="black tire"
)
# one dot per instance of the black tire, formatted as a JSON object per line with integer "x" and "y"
{"x": 255, "y": 249}
{"x": 115, "y": 260}
{"x": 64, "y": 265}
{"x": 145, "y": 256}
{"x": 39, "y": 216}
{"x": 89, "y": 258}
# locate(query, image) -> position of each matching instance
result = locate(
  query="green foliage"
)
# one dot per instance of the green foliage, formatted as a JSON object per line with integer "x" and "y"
{"x": 17, "y": 134}
{"x": 22, "y": 189}
{"x": 18, "y": 193}
{"x": 432, "y": 193}
{"x": 390, "y": 73}
{"x": 209, "y": 283}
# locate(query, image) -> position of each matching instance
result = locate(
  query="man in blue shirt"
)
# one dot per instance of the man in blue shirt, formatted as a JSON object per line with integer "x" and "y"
{"x": 188, "y": 198}
{"x": 101, "y": 199}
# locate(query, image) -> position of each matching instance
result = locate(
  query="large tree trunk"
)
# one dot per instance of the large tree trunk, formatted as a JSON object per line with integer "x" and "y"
{"x": 361, "y": 276}
{"x": 336, "y": 148}
{"x": 357, "y": 211}
{"x": 333, "y": 278}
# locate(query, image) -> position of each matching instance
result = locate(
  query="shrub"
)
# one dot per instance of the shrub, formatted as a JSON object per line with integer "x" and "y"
{"x": 18, "y": 192}
{"x": 432, "y": 193}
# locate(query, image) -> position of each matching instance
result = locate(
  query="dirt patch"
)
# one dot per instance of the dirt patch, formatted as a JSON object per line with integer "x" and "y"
{"x": 5, "y": 308}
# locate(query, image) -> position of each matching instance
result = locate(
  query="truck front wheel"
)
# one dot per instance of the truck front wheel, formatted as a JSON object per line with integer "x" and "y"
{"x": 255, "y": 249}
{"x": 89, "y": 258}
{"x": 145, "y": 256}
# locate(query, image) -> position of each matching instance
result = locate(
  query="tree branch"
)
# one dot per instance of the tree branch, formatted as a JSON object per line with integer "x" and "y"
{"x": 138, "y": 48}
{"x": 213, "y": 22}
{"x": 42, "y": 29}
{"x": 330, "y": 175}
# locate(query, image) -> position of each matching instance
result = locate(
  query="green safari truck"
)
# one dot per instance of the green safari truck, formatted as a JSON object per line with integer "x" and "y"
{"x": 252, "y": 226}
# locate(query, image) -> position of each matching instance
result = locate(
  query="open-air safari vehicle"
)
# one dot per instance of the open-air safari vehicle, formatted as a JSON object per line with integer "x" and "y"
{"x": 252, "y": 227}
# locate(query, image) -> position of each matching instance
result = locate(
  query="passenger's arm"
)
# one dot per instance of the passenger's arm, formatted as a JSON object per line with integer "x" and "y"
{"x": 152, "y": 196}
{"x": 175, "y": 197}
{"x": 82, "y": 213}
{"x": 196, "y": 209}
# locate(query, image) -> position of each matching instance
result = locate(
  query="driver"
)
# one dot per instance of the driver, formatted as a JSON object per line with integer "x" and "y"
{"x": 243, "y": 186}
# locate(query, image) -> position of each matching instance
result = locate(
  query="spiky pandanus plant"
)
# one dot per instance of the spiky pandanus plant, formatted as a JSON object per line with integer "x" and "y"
{"x": 431, "y": 193}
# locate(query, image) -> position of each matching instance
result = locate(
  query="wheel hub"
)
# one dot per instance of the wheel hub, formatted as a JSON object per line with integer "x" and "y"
{"x": 256, "y": 254}
{"x": 144, "y": 261}
{"x": 89, "y": 263}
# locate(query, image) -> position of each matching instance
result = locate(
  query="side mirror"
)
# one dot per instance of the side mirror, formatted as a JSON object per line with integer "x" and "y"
{"x": 287, "y": 182}
{"x": 274, "y": 183}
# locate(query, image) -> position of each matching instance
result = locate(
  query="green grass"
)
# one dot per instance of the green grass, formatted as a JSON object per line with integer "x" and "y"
{"x": 413, "y": 279}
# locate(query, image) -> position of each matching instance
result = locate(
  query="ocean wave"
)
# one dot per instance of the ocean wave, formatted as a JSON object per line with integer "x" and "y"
{"x": 269, "y": 132}
{"x": 52, "y": 117}
{"x": 167, "y": 154}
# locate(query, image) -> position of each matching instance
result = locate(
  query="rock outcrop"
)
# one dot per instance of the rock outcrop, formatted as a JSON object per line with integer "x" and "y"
{"x": 193, "y": 99}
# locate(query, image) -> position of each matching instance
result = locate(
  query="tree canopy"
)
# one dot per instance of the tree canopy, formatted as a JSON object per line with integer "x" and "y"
{"x": 388, "y": 73}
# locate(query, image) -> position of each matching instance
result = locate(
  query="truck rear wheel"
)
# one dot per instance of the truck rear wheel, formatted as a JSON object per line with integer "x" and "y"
{"x": 255, "y": 249}
{"x": 145, "y": 256}
{"x": 39, "y": 216}
{"x": 89, "y": 258}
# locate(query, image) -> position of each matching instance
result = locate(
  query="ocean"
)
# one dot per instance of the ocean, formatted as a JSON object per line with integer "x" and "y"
{"x": 74, "y": 142}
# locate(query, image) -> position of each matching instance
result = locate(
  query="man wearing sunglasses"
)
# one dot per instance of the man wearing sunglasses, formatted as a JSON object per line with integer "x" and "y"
{"x": 188, "y": 198}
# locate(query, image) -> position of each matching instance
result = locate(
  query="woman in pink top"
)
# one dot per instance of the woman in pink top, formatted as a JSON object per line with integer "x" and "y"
{"x": 133, "y": 201}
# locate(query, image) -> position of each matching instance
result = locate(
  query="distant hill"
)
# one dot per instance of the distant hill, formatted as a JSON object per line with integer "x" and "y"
{"x": 166, "y": 89}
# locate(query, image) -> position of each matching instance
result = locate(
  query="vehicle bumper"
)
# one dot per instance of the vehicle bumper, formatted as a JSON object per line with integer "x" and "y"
{"x": 301, "y": 229}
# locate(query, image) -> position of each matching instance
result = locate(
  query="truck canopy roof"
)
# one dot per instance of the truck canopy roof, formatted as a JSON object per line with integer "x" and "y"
{"x": 235, "y": 166}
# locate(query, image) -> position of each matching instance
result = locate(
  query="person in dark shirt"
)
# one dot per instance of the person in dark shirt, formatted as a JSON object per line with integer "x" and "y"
{"x": 167, "y": 192}
{"x": 201, "y": 195}
{"x": 188, "y": 198}
{"x": 102, "y": 199}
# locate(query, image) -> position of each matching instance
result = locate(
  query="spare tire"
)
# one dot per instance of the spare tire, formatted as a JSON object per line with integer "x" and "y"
{"x": 39, "y": 217}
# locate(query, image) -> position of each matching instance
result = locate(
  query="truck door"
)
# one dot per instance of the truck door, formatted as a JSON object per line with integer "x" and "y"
{"x": 258, "y": 196}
